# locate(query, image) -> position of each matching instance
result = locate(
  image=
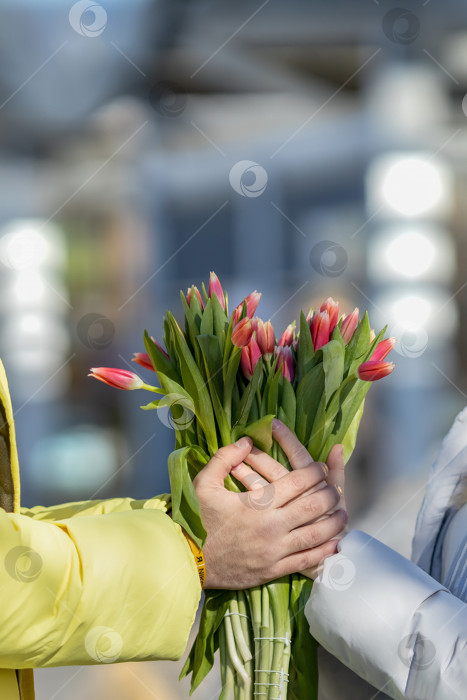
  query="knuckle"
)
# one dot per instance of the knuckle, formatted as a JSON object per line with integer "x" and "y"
{"x": 304, "y": 540}
{"x": 311, "y": 507}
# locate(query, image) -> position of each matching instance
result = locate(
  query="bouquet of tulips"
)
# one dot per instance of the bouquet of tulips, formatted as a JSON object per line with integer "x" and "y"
{"x": 227, "y": 376}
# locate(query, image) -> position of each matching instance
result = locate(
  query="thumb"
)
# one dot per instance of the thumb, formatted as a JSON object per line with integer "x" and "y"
{"x": 221, "y": 464}
{"x": 336, "y": 464}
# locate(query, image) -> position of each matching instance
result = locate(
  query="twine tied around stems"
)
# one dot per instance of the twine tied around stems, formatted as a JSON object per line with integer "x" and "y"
{"x": 283, "y": 678}
{"x": 227, "y": 614}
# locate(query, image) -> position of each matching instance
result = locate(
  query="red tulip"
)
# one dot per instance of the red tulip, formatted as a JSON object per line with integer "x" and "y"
{"x": 215, "y": 287}
{"x": 252, "y": 301}
{"x": 143, "y": 359}
{"x": 332, "y": 307}
{"x": 287, "y": 336}
{"x": 118, "y": 378}
{"x": 371, "y": 371}
{"x": 251, "y": 353}
{"x": 197, "y": 292}
{"x": 320, "y": 329}
{"x": 383, "y": 349}
{"x": 284, "y": 355}
{"x": 349, "y": 325}
{"x": 265, "y": 337}
{"x": 241, "y": 334}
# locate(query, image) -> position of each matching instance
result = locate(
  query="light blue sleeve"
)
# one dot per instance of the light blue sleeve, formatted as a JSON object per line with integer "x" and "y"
{"x": 390, "y": 622}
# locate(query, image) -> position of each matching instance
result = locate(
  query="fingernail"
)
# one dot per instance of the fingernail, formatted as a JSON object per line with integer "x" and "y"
{"x": 243, "y": 442}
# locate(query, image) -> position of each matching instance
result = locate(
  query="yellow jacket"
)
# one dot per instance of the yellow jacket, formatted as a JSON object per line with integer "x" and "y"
{"x": 86, "y": 583}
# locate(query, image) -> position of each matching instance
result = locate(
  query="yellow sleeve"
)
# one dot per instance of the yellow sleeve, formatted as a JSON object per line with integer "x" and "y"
{"x": 110, "y": 505}
{"x": 122, "y": 586}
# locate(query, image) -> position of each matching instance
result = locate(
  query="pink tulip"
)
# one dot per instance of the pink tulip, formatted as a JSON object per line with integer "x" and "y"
{"x": 215, "y": 287}
{"x": 252, "y": 301}
{"x": 143, "y": 359}
{"x": 241, "y": 334}
{"x": 251, "y": 353}
{"x": 118, "y": 378}
{"x": 383, "y": 349}
{"x": 287, "y": 336}
{"x": 265, "y": 337}
{"x": 349, "y": 325}
{"x": 320, "y": 329}
{"x": 284, "y": 355}
{"x": 332, "y": 307}
{"x": 197, "y": 292}
{"x": 371, "y": 371}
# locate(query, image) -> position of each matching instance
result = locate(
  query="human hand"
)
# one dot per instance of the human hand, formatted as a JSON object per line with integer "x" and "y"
{"x": 265, "y": 533}
{"x": 299, "y": 458}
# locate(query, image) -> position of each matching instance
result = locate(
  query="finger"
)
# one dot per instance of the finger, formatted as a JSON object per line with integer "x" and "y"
{"x": 247, "y": 476}
{"x": 308, "y": 508}
{"x": 295, "y": 483}
{"x": 336, "y": 476}
{"x": 309, "y": 536}
{"x": 265, "y": 465}
{"x": 220, "y": 465}
{"x": 307, "y": 561}
{"x": 297, "y": 454}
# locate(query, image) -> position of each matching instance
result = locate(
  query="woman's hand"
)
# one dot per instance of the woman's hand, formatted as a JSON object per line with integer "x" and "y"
{"x": 272, "y": 530}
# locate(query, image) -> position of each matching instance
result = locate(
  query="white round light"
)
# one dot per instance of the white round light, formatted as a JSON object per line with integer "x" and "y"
{"x": 412, "y": 186}
{"x": 410, "y": 254}
{"x": 412, "y": 311}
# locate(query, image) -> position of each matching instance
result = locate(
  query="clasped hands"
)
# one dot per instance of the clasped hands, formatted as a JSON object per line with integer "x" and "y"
{"x": 287, "y": 521}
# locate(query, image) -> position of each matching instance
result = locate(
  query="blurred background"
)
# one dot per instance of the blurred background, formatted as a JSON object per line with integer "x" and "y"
{"x": 304, "y": 149}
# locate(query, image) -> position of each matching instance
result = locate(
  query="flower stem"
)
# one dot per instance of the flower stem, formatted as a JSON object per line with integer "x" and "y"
{"x": 231, "y": 646}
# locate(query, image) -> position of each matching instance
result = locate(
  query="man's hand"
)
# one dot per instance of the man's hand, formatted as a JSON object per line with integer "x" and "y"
{"x": 272, "y": 530}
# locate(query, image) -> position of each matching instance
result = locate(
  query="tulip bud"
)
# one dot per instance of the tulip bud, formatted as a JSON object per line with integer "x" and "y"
{"x": 284, "y": 355}
{"x": 241, "y": 334}
{"x": 215, "y": 287}
{"x": 118, "y": 378}
{"x": 371, "y": 371}
{"x": 143, "y": 359}
{"x": 383, "y": 349}
{"x": 332, "y": 307}
{"x": 197, "y": 292}
{"x": 251, "y": 353}
{"x": 319, "y": 328}
{"x": 265, "y": 337}
{"x": 287, "y": 336}
{"x": 349, "y": 325}
{"x": 252, "y": 301}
